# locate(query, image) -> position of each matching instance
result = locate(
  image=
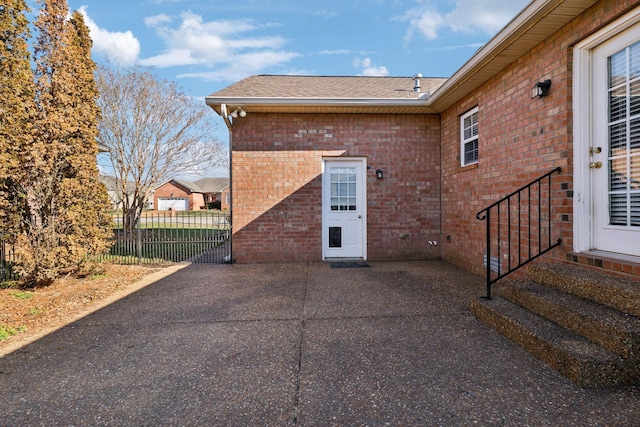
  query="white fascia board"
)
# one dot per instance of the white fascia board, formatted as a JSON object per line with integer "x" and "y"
{"x": 319, "y": 102}
{"x": 517, "y": 27}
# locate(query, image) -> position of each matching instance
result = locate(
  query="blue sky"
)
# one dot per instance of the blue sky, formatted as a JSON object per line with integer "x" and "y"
{"x": 206, "y": 45}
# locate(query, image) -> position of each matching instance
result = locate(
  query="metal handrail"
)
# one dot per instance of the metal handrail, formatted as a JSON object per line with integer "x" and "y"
{"x": 528, "y": 239}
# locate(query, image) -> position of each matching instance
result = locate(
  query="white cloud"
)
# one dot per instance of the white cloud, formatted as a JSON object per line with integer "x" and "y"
{"x": 223, "y": 45}
{"x": 454, "y": 47}
{"x": 368, "y": 69}
{"x": 325, "y": 13}
{"x": 345, "y": 52}
{"x": 120, "y": 47}
{"x": 244, "y": 65}
{"x": 156, "y": 20}
{"x": 167, "y": 1}
{"x": 468, "y": 16}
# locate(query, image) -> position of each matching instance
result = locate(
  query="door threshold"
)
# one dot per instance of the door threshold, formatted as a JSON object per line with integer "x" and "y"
{"x": 611, "y": 255}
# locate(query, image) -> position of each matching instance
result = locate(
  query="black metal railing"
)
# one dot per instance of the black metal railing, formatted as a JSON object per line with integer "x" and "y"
{"x": 518, "y": 229}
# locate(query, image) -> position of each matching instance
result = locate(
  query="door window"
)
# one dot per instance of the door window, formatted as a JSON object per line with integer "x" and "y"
{"x": 343, "y": 189}
{"x": 624, "y": 136}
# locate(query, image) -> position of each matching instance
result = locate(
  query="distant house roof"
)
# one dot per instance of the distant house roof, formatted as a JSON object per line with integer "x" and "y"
{"x": 203, "y": 185}
{"x": 109, "y": 182}
{"x": 212, "y": 185}
{"x": 112, "y": 184}
{"x": 189, "y": 185}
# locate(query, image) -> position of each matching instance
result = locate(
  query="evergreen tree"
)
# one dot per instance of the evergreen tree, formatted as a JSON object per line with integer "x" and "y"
{"x": 66, "y": 218}
{"x": 87, "y": 198}
{"x": 17, "y": 108}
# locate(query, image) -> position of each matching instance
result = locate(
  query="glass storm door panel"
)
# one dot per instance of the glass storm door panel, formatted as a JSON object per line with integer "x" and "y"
{"x": 615, "y": 156}
{"x": 343, "y": 212}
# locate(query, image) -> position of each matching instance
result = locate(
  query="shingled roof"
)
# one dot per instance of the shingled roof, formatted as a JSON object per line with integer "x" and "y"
{"x": 212, "y": 185}
{"x": 321, "y": 94}
{"x": 356, "y": 94}
{"x": 326, "y": 87}
{"x": 203, "y": 185}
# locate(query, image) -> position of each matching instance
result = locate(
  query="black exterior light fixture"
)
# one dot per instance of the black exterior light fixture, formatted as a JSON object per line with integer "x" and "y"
{"x": 540, "y": 89}
{"x": 379, "y": 173}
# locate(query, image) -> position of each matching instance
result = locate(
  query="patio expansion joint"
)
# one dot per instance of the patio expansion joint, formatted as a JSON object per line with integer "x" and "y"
{"x": 296, "y": 401}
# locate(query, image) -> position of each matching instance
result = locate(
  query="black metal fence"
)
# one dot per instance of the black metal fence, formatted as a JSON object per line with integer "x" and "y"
{"x": 6, "y": 260}
{"x": 159, "y": 238}
{"x": 173, "y": 237}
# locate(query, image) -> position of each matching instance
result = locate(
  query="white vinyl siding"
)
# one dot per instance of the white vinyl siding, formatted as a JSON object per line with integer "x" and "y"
{"x": 469, "y": 137}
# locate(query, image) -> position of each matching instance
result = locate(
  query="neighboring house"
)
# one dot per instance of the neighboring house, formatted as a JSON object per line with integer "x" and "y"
{"x": 112, "y": 191}
{"x": 115, "y": 195}
{"x": 368, "y": 168}
{"x": 216, "y": 190}
{"x": 182, "y": 195}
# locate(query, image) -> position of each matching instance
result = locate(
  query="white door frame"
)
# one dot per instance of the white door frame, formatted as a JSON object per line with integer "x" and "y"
{"x": 582, "y": 126}
{"x": 361, "y": 191}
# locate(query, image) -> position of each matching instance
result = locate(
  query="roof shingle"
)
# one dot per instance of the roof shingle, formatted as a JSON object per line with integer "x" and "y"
{"x": 327, "y": 87}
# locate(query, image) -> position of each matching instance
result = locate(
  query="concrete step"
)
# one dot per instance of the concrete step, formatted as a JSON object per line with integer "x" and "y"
{"x": 617, "y": 293}
{"x": 616, "y": 331}
{"x": 577, "y": 358}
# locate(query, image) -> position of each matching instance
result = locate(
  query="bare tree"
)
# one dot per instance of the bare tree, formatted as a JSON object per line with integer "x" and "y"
{"x": 152, "y": 131}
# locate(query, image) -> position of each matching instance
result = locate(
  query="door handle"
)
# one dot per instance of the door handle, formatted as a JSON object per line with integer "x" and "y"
{"x": 595, "y": 165}
{"x": 359, "y": 216}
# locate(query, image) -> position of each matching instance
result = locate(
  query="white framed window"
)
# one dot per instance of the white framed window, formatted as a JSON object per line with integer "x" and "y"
{"x": 469, "y": 137}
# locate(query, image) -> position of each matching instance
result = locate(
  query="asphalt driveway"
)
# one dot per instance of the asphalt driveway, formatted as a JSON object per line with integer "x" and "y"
{"x": 296, "y": 344}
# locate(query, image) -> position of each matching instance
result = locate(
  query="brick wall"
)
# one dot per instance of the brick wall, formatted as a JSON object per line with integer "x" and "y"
{"x": 225, "y": 199}
{"x": 277, "y": 200}
{"x": 173, "y": 189}
{"x": 520, "y": 139}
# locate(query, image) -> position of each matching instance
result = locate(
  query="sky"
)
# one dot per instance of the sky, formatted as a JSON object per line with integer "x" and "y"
{"x": 207, "y": 45}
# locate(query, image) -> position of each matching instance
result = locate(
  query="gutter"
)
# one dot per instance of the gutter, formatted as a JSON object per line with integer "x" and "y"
{"x": 221, "y": 104}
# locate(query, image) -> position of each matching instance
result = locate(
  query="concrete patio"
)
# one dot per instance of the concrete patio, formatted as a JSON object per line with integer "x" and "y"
{"x": 296, "y": 344}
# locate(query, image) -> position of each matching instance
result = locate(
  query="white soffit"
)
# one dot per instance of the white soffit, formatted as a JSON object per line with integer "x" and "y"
{"x": 533, "y": 25}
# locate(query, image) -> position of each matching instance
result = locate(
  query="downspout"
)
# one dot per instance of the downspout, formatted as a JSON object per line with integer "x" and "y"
{"x": 229, "y": 123}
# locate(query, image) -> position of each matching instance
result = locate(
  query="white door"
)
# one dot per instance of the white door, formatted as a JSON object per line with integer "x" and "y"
{"x": 615, "y": 151}
{"x": 344, "y": 209}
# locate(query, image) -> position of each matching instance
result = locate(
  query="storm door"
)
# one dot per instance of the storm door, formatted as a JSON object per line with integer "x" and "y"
{"x": 615, "y": 150}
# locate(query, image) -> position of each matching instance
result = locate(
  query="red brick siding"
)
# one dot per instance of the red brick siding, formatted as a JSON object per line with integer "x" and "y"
{"x": 196, "y": 202}
{"x": 173, "y": 189}
{"x": 277, "y": 200}
{"x": 519, "y": 139}
{"x": 225, "y": 198}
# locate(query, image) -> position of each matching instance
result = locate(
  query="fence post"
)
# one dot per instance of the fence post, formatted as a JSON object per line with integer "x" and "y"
{"x": 139, "y": 241}
{"x": 3, "y": 259}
